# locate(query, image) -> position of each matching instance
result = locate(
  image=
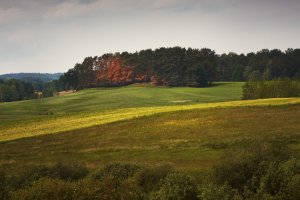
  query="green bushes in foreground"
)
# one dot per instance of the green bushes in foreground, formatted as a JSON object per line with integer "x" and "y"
{"x": 271, "y": 89}
{"x": 258, "y": 171}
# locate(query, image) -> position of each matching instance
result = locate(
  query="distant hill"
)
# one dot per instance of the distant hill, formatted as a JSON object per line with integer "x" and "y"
{"x": 32, "y": 77}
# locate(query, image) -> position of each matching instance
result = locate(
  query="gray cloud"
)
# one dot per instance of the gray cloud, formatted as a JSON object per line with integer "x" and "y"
{"x": 52, "y": 35}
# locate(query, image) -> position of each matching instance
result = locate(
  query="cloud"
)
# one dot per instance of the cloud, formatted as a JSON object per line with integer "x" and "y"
{"x": 20, "y": 36}
{"x": 8, "y": 15}
{"x": 70, "y": 9}
{"x": 33, "y": 32}
{"x": 37, "y": 10}
{"x": 12, "y": 10}
{"x": 18, "y": 10}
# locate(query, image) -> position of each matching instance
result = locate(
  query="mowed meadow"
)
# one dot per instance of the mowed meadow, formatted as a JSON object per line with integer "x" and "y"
{"x": 188, "y": 128}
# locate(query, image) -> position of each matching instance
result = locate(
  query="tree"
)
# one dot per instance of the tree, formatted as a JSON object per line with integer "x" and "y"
{"x": 178, "y": 66}
{"x": 201, "y": 76}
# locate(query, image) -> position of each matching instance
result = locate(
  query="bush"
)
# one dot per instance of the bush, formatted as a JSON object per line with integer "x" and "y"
{"x": 88, "y": 189}
{"x": 45, "y": 188}
{"x": 176, "y": 186}
{"x": 116, "y": 173}
{"x": 243, "y": 167}
{"x": 251, "y": 170}
{"x": 261, "y": 171}
{"x": 148, "y": 179}
{"x": 211, "y": 191}
{"x": 271, "y": 89}
{"x": 292, "y": 190}
{"x": 58, "y": 171}
{"x": 68, "y": 172}
{"x": 130, "y": 189}
{"x": 278, "y": 179}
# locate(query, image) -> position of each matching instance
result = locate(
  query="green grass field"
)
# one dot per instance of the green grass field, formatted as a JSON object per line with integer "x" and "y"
{"x": 188, "y": 128}
{"x": 189, "y": 140}
{"x": 97, "y": 106}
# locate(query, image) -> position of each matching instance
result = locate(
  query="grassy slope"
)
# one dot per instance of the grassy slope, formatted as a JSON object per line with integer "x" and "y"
{"x": 112, "y": 98}
{"x": 190, "y": 136}
{"x": 66, "y": 123}
{"x": 27, "y": 118}
{"x": 189, "y": 140}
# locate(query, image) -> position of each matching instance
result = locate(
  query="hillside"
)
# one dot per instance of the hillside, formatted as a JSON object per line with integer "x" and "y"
{"x": 191, "y": 140}
{"x": 91, "y": 103}
{"x": 74, "y": 139}
{"x": 160, "y": 110}
{"x": 32, "y": 77}
{"x": 100, "y": 106}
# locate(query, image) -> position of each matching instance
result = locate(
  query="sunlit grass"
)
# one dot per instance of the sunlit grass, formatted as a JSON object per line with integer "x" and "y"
{"x": 190, "y": 140}
{"x": 78, "y": 121}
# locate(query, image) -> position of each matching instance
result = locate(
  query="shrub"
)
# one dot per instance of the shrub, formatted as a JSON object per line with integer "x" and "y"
{"x": 130, "y": 189}
{"x": 68, "y": 172}
{"x": 116, "y": 173}
{"x": 292, "y": 190}
{"x": 176, "y": 186}
{"x": 148, "y": 178}
{"x": 242, "y": 168}
{"x": 88, "y": 189}
{"x": 58, "y": 171}
{"x": 29, "y": 175}
{"x": 211, "y": 191}
{"x": 261, "y": 171}
{"x": 45, "y": 188}
{"x": 278, "y": 179}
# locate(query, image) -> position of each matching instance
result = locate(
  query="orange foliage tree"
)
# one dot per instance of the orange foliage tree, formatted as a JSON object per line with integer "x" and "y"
{"x": 111, "y": 71}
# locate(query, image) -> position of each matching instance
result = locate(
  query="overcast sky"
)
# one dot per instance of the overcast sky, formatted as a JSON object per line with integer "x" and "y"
{"x": 52, "y": 35}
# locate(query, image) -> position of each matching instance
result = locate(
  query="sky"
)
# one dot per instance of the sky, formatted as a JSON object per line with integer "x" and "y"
{"x": 53, "y": 35}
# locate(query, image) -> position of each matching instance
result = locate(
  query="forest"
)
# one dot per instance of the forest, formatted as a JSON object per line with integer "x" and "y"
{"x": 173, "y": 67}
{"x": 15, "y": 90}
{"x": 32, "y": 77}
{"x": 181, "y": 67}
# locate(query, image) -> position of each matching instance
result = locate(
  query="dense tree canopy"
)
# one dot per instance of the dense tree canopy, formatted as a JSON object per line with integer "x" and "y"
{"x": 181, "y": 67}
{"x": 164, "y": 66}
{"x": 14, "y": 90}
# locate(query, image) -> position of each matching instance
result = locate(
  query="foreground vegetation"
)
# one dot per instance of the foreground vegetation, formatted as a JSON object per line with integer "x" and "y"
{"x": 253, "y": 169}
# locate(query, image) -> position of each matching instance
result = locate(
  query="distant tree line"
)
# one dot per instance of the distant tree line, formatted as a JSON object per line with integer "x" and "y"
{"x": 15, "y": 90}
{"x": 181, "y": 67}
{"x": 32, "y": 77}
{"x": 164, "y": 66}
